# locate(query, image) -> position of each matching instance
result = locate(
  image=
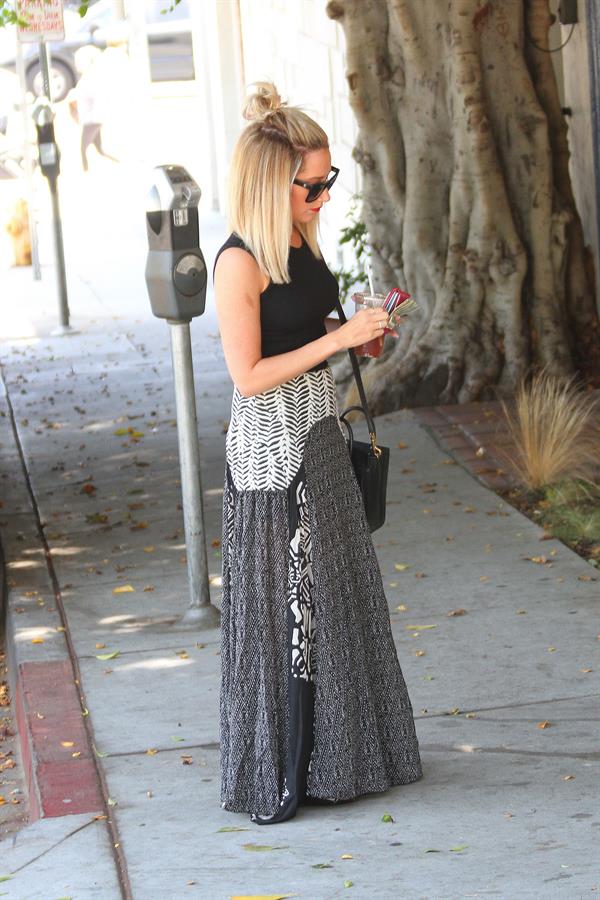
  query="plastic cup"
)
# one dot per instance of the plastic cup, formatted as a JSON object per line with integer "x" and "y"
{"x": 373, "y": 347}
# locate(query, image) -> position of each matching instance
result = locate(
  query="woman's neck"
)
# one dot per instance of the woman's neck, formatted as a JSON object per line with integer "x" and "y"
{"x": 296, "y": 238}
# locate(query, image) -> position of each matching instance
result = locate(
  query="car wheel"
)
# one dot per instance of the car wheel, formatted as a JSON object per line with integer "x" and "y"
{"x": 62, "y": 79}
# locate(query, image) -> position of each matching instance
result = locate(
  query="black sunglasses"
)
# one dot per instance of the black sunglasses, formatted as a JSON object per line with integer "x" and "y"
{"x": 315, "y": 189}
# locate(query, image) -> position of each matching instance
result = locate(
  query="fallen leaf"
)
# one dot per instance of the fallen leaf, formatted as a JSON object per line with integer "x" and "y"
{"x": 457, "y": 612}
{"x": 469, "y": 509}
{"x": 112, "y": 802}
{"x": 432, "y": 851}
{"x": 568, "y": 778}
{"x": 322, "y": 866}
{"x": 459, "y": 848}
{"x": 88, "y": 489}
{"x": 401, "y": 607}
{"x": 540, "y": 560}
{"x": 262, "y": 848}
{"x": 147, "y": 589}
{"x": 175, "y": 737}
{"x": 544, "y": 724}
{"x": 586, "y": 670}
{"x": 67, "y": 743}
{"x": 104, "y": 656}
{"x": 37, "y": 640}
{"x": 187, "y": 760}
{"x": 419, "y": 653}
{"x": 124, "y": 589}
{"x": 99, "y": 753}
{"x": 401, "y": 445}
{"x": 386, "y": 817}
{"x": 149, "y": 549}
{"x": 151, "y": 751}
{"x": 346, "y": 856}
{"x": 400, "y": 567}
{"x": 232, "y": 828}
{"x": 348, "y": 883}
{"x": 419, "y": 627}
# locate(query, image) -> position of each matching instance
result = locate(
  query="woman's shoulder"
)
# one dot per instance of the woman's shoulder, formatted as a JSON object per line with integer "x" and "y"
{"x": 233, "y": 242}
{"x": 239, "y": 264}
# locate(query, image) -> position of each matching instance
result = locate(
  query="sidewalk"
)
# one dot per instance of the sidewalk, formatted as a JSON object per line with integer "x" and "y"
{"x": 122, "y": 753}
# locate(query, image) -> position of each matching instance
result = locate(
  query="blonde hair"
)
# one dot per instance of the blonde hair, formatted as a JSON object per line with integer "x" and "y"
{"x": 266, "y": 159}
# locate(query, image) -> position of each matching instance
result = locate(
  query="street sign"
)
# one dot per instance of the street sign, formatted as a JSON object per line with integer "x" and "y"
{"x": 44, "y": 20}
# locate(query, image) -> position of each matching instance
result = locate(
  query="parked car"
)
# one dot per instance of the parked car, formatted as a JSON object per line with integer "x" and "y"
{"x": 169, "y": 45}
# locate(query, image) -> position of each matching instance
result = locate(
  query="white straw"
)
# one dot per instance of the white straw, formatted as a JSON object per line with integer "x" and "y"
{"x": 369, "y": 276}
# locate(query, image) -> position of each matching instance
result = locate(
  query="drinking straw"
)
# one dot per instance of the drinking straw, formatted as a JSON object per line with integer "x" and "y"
{"x": 369, "y": 276}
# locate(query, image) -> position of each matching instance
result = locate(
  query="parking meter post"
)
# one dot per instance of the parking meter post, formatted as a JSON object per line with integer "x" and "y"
{"x": 176, "y": 281}
{"x": 199, "y": 612}
{"x": 45, "y": 69}
{"x": 43, "y": 116}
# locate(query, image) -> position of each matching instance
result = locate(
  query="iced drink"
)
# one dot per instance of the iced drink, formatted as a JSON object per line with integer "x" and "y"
{"x": 373, "y": 347}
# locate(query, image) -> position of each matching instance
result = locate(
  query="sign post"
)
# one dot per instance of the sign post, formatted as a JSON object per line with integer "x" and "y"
{"x": 41, "y": 21}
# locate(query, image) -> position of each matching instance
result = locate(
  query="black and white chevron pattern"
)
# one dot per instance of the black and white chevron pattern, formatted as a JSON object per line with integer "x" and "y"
{"x": 267, "y": 432}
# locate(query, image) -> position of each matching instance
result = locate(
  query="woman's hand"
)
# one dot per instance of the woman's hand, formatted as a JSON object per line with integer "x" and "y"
{"x": 364, "y": 325}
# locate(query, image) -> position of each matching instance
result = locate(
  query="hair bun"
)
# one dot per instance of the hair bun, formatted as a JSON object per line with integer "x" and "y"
{"x": 264, "y": 102}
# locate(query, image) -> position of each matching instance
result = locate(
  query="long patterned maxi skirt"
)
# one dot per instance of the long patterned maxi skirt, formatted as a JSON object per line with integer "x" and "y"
{"x": 313, "y": 700}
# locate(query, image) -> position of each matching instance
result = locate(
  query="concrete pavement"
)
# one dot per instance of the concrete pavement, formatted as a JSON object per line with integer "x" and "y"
{"x": 92, "y": 531}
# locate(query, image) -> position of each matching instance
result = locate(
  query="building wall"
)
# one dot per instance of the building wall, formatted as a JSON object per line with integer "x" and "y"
{"x": 578, "y": 93}
{"x": 295, "y": 45}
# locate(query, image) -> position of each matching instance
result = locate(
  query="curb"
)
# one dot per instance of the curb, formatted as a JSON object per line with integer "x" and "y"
{"x": 48, "y": 711}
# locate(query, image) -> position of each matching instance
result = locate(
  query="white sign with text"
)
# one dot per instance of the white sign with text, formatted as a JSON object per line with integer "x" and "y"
{"x": 42, "y": 20}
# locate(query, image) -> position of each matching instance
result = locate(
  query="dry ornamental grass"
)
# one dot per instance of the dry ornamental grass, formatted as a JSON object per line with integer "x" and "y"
{"x": 553, "y": 427}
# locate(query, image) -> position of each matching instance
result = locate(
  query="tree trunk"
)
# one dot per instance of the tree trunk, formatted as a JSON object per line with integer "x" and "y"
{"x": 467, "y": 196}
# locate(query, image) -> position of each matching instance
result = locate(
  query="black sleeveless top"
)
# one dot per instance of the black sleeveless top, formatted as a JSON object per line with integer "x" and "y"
{"x": 292, "y": 315}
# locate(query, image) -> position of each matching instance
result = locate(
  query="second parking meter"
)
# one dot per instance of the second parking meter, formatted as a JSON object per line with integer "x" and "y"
{"x": 175, "y": 268}
{"x": 43, "y": 116}
{"x": 176, "y": 282}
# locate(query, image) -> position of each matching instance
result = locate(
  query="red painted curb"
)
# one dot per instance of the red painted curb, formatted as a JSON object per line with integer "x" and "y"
{"x": 48, "y": 712}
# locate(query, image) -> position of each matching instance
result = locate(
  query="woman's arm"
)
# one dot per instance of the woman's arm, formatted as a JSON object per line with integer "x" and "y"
{"x": 238, "y": 285}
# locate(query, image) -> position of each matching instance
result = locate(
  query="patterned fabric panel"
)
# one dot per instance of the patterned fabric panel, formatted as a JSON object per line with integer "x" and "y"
{"x": 267, "y": 432}
{"x": 365, "y": 736}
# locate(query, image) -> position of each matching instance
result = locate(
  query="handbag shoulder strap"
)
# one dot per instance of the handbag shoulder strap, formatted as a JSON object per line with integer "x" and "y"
{"x": 359, "y": 382}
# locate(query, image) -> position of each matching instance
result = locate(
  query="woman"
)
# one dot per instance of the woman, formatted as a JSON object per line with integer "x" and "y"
{"x": 314, "y": 707}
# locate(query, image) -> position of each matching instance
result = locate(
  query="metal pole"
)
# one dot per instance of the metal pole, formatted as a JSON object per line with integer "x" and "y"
{"x": 33, "y": 235}
{"x": 200, "y": 611}
{"x": 61, "y": 275}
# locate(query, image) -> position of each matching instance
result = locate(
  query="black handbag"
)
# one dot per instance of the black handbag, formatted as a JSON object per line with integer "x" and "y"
{"x": 369, "y": 460}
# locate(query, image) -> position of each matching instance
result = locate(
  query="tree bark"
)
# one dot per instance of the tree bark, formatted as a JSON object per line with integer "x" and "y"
{"x": 466, "y": 196}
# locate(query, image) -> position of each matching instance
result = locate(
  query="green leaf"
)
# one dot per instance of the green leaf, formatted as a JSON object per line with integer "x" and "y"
{"x": 387, "y": 818}
{"x": 459, "y": 847}
{"x": 108, "y": 655}
{"x": 232, "y": 828}
{"x": 348, "y": 883}
{"x": 6, "y": 877}
{"x": 175, "y": 737}
{"x": 99, "y": 753}
{"x": 261, "y": 848}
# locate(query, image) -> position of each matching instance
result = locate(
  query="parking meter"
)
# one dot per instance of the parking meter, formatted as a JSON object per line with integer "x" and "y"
{"x": 175, "y": 269}
{"x": 176, "y": 282}
{"x": 43, "y": 116}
